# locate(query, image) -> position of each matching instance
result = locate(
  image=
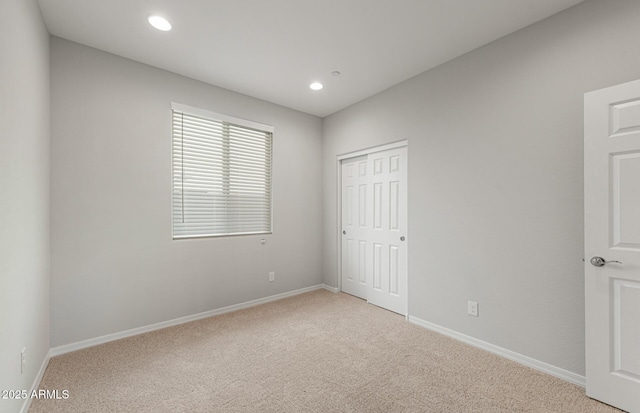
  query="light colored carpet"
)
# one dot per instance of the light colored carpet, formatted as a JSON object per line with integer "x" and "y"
{"x": 316, "y": 352}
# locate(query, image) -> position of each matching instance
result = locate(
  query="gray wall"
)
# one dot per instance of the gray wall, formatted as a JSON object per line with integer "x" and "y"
{"x": 114, "y": 264}
{"x": 24, "y": 194}
{"x": 496, "y": 178}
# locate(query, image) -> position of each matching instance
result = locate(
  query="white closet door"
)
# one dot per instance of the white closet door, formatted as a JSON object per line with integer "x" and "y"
{"x": 355, "y": 226}
{"x": 387, "y": 278}
{"x": 374, "y": 228}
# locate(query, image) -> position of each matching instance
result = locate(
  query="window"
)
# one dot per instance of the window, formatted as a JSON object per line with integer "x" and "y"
{"x": 221, "y": 175}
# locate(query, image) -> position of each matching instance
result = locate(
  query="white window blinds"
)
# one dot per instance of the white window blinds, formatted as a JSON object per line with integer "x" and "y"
{"x": 221, "y": 175}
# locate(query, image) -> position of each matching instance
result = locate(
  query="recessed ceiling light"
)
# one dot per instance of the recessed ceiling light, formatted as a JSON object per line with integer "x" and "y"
{"x": 316, "y": 86}
{"x": 335, "y": 73}
{"x": 159, "y": 23}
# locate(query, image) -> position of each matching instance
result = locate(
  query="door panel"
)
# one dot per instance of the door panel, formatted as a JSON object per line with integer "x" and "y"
{"x": 394, "y": 253}
{"x": 388, "y": 288}
{"x": 612, "y": 231}
{"x": 626, "y": 329}
{"x": 377, "y": 267}
{"x": 355, "y": 226}
{"x": 625, "y": 200}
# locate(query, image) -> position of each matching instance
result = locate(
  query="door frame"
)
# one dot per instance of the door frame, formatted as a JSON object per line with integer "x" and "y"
{"x": 338, "y": 230}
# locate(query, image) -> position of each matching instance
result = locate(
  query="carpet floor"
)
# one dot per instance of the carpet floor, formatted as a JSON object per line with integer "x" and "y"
{"x": 316, "y": 352}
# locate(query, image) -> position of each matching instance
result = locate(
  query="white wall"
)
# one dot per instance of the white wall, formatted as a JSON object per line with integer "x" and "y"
{"x": 496, "y": 178}
{"x": 114, "y": 264}
{"x": 24, "y": 194}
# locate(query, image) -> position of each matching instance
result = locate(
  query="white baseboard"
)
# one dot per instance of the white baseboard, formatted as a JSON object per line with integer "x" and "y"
{"x": 67, "y": 348}
{"x": 36, "y": 382}
{"x": 330, "y": 288}
{"x": 508, "y": 354}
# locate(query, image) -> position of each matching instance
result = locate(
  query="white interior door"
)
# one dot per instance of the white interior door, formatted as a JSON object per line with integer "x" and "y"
{"x": 612, "y": 245}
{"x": 355, "y": 226}
{"x": 374, "y": 228}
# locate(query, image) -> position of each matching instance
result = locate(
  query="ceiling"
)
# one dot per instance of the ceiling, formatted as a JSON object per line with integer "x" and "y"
{"x": 273, "y": 49}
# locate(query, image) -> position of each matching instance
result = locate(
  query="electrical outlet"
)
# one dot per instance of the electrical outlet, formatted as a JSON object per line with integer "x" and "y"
{"x": 272, "y": 276}
{"x": 472, "y": 308}
{"x": 23, "y": 359}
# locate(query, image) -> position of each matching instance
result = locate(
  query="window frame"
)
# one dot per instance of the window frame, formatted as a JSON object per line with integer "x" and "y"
{"x": 218, "y": 117}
